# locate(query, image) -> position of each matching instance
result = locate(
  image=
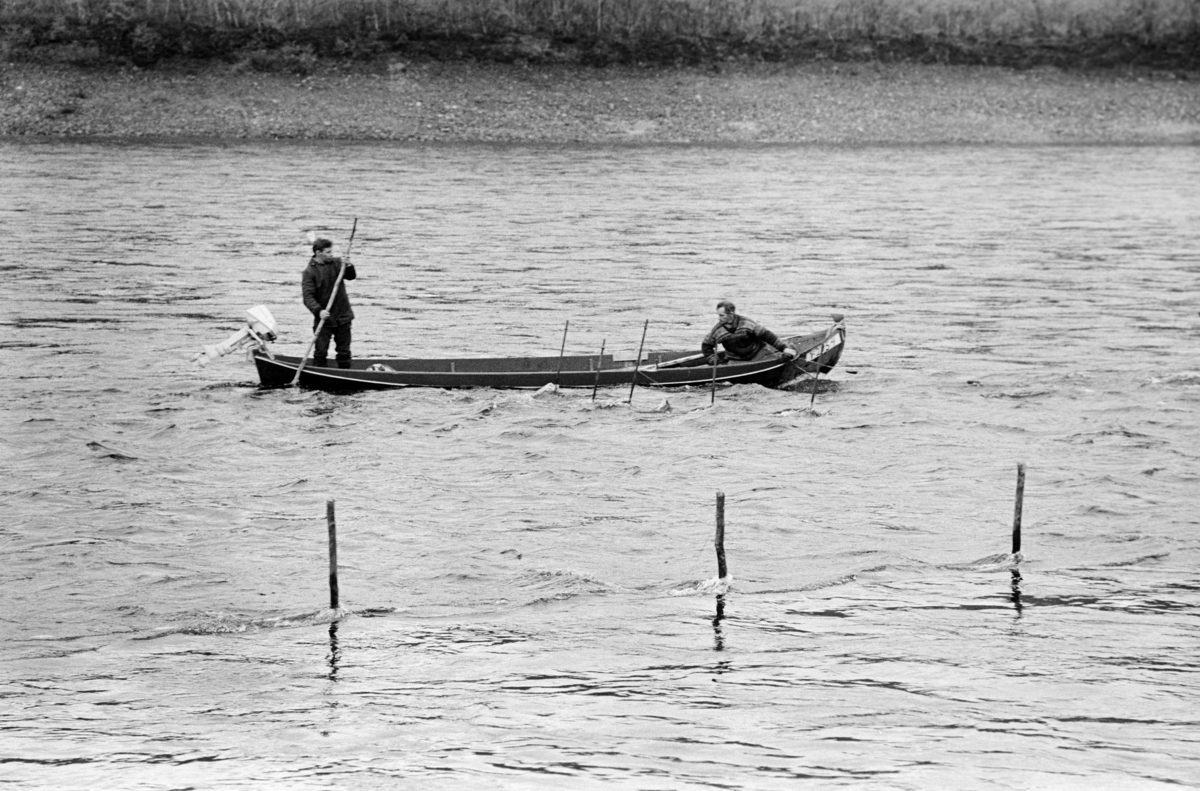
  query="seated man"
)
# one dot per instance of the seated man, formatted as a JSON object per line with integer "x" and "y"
{"x": 744, "y": 340}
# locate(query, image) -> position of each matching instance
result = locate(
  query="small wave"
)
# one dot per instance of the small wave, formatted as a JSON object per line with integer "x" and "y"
{"x": 560, "y": 584}
{"x": 715, "y": 585}
{"x": 111, "y": 453}
{"x": 486, "y": 409}
{"x": 610, "y": 404}
{"x": 998, "y": 562}
{"x": 231, "y": 385}
{"x": 1088, "y": 437}
{"x": 1135, "y": 561}
{"x": 1181, "y": 378}
{"x": 557, "y": 597}
{"x": 456, "y": 638}
{"x": 1097, "y": 510}
{"x": 217, "y": 622}
{"x": 815, "y": 586}
{"x": 899, "y": 527}
{"x": 299, "y": 483}
{"x": 820, "y": 613}
{"x": 557, "y": 576}
{"x": 796, "y": 412}
{"x": 1020, "y": 394}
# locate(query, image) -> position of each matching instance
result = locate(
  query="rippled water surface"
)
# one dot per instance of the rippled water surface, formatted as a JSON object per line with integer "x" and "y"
{"x": 529, "y": 582}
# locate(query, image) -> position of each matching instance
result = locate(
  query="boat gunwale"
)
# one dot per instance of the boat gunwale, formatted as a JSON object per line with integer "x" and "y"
{"x": 361, "y": 376}
{"x": 672, "y": 374}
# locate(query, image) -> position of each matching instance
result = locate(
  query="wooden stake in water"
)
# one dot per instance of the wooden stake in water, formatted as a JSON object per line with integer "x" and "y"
{"x": 599, "y": 365}
{"x": 333, "y": 565}
{"x": 817, "y": 373}
{"x": 716, "y": 355}
{"x": 1016, "y": 544}
{"x": 561, "y": 351}
{"x": 812, "y": 399}
{"x": 837, "y": 317}
{"x": 719, "y": 541}
{"x": 638, "y": 362}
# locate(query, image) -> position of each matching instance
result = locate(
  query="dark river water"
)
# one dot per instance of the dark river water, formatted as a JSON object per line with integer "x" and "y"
{"x": 528, "y": 582}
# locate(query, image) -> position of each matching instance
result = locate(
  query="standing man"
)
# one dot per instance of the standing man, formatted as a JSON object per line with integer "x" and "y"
{"x": 316, "y": 285}
{"x": 744, "y": 340}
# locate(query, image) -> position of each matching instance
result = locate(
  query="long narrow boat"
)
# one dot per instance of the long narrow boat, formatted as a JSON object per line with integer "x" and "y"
{"x": 818, "y": 350}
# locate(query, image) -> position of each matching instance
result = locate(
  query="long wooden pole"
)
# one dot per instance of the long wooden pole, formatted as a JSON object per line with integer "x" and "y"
{"x": 1017, "y": 508}
{"x": 719, "y": 540}
{"x": 599, "y": 364}
{"x": 333, "y": 561}
{"x": 328, "y": 307}
{"x": 716, "y": 359}
{"x": 817, "y": 374}
{"x": 561, "y": 352}
{"x": 638, "y": 362}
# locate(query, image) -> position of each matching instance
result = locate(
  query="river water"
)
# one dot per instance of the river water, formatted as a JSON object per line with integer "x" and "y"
{"x": 528, "y": 581}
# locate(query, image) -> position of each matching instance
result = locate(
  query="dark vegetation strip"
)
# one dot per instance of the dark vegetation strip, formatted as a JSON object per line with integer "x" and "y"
{"x": 294, "y": 35}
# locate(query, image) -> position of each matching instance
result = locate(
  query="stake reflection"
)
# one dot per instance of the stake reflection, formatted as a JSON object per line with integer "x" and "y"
{"x": 1016, "y": 591}
{"x": 718, "y": 635}
{"x": 335, "y": 653}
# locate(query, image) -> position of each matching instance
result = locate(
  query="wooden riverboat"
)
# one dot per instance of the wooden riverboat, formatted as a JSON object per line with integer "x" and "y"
{"x": 819, "y": 350}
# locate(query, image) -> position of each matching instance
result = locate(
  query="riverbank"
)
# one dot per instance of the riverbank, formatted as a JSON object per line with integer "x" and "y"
{"x": 817, "y": 103}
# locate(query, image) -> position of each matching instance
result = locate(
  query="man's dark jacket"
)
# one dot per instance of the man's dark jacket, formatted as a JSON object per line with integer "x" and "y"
{"x": 742, "y": 342}
{"x": 317, "y": 285}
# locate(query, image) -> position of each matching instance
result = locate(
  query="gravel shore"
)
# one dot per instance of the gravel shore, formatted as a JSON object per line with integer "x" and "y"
{"x": 810, "y": 103}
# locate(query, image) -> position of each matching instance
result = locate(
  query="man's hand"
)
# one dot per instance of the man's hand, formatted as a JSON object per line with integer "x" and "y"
{"x": 790, "y": 353}
{"x": 324, "y": 314}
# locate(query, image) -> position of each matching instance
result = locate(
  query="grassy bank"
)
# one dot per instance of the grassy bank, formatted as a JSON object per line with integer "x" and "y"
{"x": 295, "y": 35}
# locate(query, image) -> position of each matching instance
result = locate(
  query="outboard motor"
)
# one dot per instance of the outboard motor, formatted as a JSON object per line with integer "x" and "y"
{"x": 258, "y": 332}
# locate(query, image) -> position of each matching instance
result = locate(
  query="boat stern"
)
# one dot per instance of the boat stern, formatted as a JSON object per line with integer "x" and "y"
{"x": 273, "y": 371}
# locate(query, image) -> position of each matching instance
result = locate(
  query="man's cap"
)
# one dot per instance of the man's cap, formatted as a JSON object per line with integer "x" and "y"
{"x": 322, "y": 244}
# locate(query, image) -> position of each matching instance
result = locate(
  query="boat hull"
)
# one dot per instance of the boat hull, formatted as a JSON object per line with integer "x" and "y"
{"x": 658, "y": 369}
